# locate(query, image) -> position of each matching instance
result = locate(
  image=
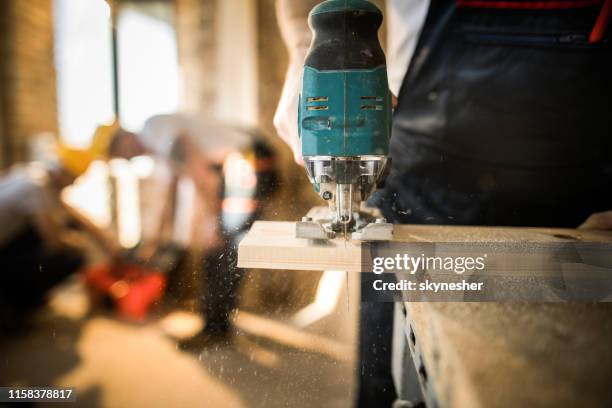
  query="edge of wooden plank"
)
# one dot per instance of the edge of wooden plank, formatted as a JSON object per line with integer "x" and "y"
{"x": 272, "y": 245}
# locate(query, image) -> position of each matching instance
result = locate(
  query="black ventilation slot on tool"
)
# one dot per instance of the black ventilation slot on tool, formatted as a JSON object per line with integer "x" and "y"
{"x": 317, "y": 108}
{"x": 373, "y": 99}
{"x": 317, "y": 99}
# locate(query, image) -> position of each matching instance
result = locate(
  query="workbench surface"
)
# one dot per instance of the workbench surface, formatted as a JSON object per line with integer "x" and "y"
{"x": 514, "y": 354}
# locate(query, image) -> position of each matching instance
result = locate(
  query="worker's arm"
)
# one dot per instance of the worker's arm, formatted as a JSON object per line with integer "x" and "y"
{"x": 107, "y": 243}
{"x": 293, "y": 22}
{"x": 47, "y": 230}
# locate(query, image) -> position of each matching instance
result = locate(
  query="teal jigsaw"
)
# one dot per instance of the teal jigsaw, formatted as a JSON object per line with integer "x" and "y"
{"x": 344, "y": 113}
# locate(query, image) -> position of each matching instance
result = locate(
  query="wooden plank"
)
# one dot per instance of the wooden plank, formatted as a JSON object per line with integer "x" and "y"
{"x": 272, "y": 244}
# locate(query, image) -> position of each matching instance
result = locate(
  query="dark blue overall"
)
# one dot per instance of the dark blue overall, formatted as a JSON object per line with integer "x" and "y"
{"x": 504, "y": 118}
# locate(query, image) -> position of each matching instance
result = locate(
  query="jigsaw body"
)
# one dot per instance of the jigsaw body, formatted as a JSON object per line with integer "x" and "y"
{"x": 344, "y": 117}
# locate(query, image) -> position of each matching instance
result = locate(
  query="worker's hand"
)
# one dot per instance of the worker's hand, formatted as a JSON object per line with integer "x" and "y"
{"x": 598, "y": 221}
{"x": 116, "y": 259}
{"x": 115, "y": 251}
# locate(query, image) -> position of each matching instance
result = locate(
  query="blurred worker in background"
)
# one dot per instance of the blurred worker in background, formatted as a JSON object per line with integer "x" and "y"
{"x": 34, "y": 251}
{"x": 502, "y": 119}
{"x": 199, "y": 149}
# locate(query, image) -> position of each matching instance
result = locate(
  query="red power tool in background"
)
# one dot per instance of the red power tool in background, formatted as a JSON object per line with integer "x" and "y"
{"x": 133, "y": 286}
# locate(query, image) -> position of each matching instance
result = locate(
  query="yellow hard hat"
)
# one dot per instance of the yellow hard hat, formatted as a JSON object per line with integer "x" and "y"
{"x": 76, "y": 161}
{"x": 102, "y": 138}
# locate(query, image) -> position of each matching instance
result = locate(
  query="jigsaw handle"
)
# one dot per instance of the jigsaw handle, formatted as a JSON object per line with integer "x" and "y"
{"x": 345, "y": 36}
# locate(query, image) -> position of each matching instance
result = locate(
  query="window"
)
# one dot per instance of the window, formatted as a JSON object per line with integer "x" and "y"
{"x": 148, "y": 62}
{"x": 148, "y": 68}
{"x": 83, "y": 60}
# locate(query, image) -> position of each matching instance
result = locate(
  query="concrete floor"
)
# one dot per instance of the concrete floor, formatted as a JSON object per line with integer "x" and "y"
{"x": 117, "y": 364}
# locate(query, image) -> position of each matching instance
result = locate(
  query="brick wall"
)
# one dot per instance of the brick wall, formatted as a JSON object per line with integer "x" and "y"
{"x": 27, "y": 75}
